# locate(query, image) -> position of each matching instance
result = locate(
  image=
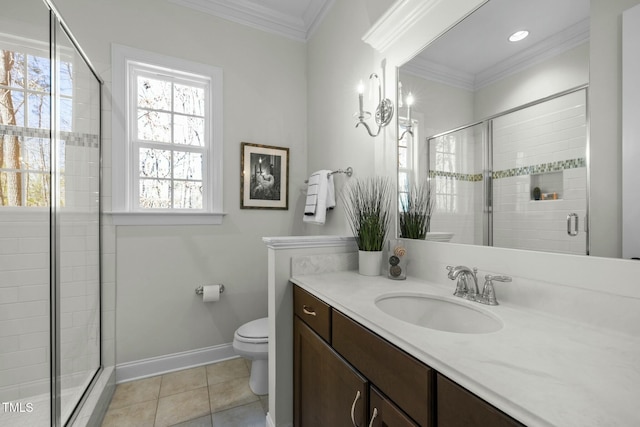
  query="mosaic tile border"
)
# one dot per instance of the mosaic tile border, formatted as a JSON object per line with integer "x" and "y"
{"x": 469, "y": 177}
{"x": 72, "y": 139}
{"x": 560, "y": 165}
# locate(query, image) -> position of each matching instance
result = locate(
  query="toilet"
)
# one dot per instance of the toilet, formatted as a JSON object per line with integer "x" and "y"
{"x": 251, "y": 340}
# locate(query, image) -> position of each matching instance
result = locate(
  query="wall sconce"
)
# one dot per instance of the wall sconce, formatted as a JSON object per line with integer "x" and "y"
{"x": 409, "y": 123}
{"x": 384, "y": 111}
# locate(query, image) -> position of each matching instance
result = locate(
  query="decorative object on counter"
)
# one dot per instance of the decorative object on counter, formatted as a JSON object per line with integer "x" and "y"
{"x": 384, "y": 110}
{"x": 397, "y": 260}
{"x": 416, "y": 207}
{"x": 537, "y": 193}
{"x": 367, "y": 204}
{"x": 264, "y": 177}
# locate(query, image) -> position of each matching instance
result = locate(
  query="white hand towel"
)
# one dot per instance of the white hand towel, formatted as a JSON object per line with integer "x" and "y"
{"x": 312, "y": 194}
{"x": 324, "y": 198}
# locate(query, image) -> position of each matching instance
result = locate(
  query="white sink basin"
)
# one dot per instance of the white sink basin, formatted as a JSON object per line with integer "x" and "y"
{"x": 442, "y": 314}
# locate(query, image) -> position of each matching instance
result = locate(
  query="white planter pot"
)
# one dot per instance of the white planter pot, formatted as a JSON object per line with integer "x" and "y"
{"x": 369, "y": 263}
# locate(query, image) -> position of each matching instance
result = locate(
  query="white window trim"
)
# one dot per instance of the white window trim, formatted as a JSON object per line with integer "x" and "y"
{"x": 123, "y": 212}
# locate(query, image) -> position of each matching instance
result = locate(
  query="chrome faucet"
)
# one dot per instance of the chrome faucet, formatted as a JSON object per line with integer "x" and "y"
{"x": 464, "y": 289}
{"x": 470, "y": 291}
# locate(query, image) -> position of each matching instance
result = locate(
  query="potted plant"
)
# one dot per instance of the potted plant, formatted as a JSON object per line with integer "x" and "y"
{"x": 368, "y": 208}
{"x": 416, "y": 207}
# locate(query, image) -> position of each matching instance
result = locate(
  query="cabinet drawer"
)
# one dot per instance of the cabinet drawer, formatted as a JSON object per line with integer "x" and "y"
{"x": 459, "y": 407}
{"x": 314, "y": 312}
{"x": 404, "y": 379}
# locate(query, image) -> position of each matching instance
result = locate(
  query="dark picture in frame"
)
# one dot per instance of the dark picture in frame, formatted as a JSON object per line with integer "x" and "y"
{"x": 264, "y": 177}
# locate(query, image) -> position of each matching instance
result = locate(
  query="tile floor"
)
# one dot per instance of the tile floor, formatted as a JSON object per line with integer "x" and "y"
{"x": 216, "y": 395}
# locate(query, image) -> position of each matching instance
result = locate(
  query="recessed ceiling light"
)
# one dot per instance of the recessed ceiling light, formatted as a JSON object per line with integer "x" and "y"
{"x": 518, "y": 35}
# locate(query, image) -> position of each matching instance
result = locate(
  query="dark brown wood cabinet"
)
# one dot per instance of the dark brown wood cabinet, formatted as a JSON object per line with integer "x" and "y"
{"x": 327, "y": 390}
{"x": 457, "y": 407}
{"x": 407, "y": 381}
{"x": 384, "y": 413}
{"x": 346, "y": 375}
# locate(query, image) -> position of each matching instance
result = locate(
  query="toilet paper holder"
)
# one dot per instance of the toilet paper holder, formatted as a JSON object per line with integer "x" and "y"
{"x": 200, "y": 289}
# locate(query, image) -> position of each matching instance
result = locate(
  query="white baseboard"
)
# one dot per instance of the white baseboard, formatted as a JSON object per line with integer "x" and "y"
{"x": 153, "y": 366}
{"x": 270, "y": 422}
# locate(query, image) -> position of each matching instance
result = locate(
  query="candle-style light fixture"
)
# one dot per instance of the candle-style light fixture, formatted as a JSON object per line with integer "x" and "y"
{"x": 409, "y": 124}
{"x": 384, "y": 110}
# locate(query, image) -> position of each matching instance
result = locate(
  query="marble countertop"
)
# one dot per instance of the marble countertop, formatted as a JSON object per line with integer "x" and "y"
{"x": 539, "y": 369}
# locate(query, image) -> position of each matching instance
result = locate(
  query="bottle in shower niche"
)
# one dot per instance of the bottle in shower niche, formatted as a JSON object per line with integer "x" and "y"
{"x": 397, "y": 268}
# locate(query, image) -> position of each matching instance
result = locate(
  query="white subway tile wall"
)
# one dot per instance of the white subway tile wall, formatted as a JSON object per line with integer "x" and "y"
{"x": 24, "y": 303}
{"x": 24, "y": 286}
{"x": 529, "y": 147}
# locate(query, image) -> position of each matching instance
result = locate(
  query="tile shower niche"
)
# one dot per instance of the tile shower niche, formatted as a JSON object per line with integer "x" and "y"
{"x": 550, "y": 185}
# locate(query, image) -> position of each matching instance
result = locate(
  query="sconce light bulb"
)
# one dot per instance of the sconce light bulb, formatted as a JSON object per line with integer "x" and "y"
{"x": 410, "y": 99}
{"x": 360, "y": 87}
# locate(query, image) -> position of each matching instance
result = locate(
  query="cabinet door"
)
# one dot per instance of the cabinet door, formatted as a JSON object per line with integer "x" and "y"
{"x": 384, "y": 413}
{"x": 458, "y": 407}
{"x": 407, "y": 381}
{"x": 327, "y": 390}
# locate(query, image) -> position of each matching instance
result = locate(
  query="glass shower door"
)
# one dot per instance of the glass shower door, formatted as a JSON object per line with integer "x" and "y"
{"x": 49, "y": 219}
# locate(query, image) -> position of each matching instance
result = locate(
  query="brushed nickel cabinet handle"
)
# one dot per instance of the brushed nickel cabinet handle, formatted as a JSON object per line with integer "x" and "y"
{"x": 353, "y": 408}
{"x": 373, "y": 416}
{"x": 308, "y": 311}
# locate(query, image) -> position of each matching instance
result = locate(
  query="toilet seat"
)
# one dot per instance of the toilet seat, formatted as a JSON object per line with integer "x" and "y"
{"x": 254, "y": 332}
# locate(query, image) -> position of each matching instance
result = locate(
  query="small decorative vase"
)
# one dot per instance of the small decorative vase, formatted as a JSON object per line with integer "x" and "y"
{"x": 369, "y": 263}
{"x": 397, "y": 266}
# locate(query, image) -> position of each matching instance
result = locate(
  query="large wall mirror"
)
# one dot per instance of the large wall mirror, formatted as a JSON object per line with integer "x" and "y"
{"x": 498, "y": 130}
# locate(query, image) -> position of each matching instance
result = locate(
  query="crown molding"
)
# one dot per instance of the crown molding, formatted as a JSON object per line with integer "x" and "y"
{"x": 398, "y": 19}
{"x": 538, "y": 53}
{"x": 548, "y": 48}
{"x": 409, "y": 25}
{"x": 264, "y": 18}
{"x": 429, "y": 70}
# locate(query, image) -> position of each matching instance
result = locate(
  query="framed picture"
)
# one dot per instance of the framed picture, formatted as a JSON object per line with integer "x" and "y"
{"x": 264, "y": 177}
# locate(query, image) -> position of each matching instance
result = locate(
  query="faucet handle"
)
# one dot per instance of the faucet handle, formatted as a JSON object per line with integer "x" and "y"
{"x": 498, "y": 278}
{"x": 488, "y": 291}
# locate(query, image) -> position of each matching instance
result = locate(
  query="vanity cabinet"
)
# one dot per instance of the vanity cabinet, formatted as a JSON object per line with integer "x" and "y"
{"x": 327, "y": 390}
{"x": 346, "y": 375}
{"x": 459, "y": 407}
{"x": 383, "y": 412}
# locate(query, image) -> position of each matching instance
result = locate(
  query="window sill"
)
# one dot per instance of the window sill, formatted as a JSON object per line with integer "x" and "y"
{"x": 167, "y": 218}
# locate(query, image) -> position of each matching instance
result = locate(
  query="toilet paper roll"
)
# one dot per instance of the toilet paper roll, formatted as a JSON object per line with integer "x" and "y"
{"x": 211, "y": 293}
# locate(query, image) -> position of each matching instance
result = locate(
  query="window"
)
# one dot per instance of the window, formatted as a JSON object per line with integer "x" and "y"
{"x": 445, "y": 167}
{"x": 167, "y": 136}
{"x": 25, "y": 121}
{"x": 405, "y": 160}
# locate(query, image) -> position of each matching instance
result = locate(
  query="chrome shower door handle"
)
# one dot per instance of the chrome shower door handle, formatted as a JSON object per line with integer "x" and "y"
{"x": 574, "y": 231}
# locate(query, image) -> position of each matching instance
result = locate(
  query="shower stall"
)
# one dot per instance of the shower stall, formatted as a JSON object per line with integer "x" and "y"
{"x": 516, "y": 180}
{"x": 50, "y": 257}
